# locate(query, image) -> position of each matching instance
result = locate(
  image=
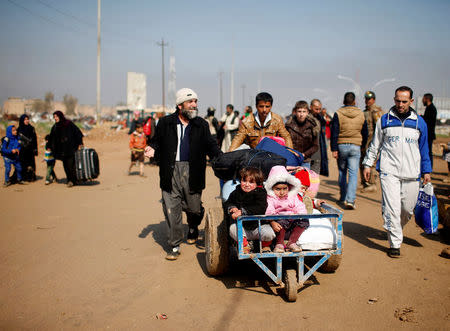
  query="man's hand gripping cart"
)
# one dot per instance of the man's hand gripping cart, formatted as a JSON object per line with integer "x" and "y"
{"x": 218, "y": 250}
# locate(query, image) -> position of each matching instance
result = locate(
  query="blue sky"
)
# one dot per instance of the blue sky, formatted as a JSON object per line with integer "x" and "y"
{"x": 296, "y": 49}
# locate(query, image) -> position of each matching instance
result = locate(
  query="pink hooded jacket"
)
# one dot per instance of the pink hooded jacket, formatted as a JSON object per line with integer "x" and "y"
{"x": 290, "y": 205}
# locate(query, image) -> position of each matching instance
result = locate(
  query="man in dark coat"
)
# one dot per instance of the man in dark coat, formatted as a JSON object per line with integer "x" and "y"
{"x": 319, "y": 160}
{"x": 180, "y": 145}
{"x": 430, "y": 118}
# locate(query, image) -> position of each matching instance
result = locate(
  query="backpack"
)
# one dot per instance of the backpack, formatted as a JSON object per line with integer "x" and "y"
{"x": 148, "y": 127}
{"x": 5, "y": 139}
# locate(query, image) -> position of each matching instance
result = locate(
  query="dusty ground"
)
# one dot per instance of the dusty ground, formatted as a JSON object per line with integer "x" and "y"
{"x": 92, "y": 257}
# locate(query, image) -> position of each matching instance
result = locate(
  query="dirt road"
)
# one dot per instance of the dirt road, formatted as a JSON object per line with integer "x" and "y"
{"x": 92, "y": 257}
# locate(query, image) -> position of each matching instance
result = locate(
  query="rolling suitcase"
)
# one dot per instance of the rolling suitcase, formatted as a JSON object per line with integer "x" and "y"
{"x": 87, "y": 166}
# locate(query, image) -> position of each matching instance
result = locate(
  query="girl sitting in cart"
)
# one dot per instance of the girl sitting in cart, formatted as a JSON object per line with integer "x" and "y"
{"x": 282, "y": 190}
{"x": 249, "y": 198}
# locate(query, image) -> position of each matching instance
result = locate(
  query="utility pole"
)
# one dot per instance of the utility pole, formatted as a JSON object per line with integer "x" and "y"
{"x": 220, "y": 94}
{"x": 232, "y": 74}
{"x": 163, "y": 44}
{"x": 98, "y": 110}
{"x": 243, "y": 96}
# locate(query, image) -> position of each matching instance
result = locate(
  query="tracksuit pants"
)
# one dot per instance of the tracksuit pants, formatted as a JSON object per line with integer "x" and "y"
{"x": 399, "y": 197}
{"x": 178, "y": 200}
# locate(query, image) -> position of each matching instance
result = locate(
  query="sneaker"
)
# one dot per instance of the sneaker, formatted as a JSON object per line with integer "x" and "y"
{"x": 192, "y": 235}
{"x": 350, "y": 205}
{"x": 173, "y": 254}
{"x": 394, "y": 253}
{"x": 47, "y": 182}
{"x": 69, "y": 184}
{"x": 6, "y": 184}
{"x": 21, "y": 182}
{"x": 294, "y": 248}
{"x": 279, "y": 248}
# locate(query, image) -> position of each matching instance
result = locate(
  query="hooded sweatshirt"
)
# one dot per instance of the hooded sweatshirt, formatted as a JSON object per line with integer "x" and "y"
{"x": 9, "y": 143}
{"x": 289, "y": 205}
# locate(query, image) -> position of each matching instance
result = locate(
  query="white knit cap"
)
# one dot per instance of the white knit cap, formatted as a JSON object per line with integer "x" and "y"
{"x": 185, "y": 94}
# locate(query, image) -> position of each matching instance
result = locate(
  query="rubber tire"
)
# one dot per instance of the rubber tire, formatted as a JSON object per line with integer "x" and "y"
{"x": 290, "y": 285}
{"x": 331, "y": 264}
{"x": 216, "y": 242}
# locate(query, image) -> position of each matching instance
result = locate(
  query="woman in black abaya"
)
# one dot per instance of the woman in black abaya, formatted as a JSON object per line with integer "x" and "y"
{"x": 65, "y": 139}
{"x": 29, "y": 150}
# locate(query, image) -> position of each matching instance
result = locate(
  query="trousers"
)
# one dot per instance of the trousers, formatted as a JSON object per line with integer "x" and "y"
{"x": 178, "y": 200}
{"x": 399, "y": 197}
{"x": 267, "y": 233}
{"x": 348, "y": 161}
{"x": 18, "y": 167}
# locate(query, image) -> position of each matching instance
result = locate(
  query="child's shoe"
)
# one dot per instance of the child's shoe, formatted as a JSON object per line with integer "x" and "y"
{"x": 266, "y": 249}
{"x": 294, "y": 248}
{"x": 266, "y": 246}
{"x": 279, "y": 248}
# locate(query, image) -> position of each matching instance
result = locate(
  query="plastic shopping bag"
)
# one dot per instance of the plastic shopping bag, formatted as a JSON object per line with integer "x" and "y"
{"x": 426, "y": 212}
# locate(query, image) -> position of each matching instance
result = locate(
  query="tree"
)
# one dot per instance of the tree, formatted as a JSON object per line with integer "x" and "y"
{"x": 71, "y": 103}
{"x": 49, "y": 97}
{"x": 39, "y": 106}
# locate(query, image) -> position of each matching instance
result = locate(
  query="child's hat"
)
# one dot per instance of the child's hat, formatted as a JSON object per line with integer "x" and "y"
{"x": 303, "y": 175}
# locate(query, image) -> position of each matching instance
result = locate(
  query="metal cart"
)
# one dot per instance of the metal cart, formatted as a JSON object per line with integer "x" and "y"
{"x": 217, "y": 245}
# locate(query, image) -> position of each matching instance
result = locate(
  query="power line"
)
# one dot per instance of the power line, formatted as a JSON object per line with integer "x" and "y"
{"x": 116, "y": 38}
{"x": 67, "y": 14}
{"x": 43, "y": 17}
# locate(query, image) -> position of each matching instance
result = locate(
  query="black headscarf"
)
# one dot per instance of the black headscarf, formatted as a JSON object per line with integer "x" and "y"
{"x": 63, "y": 121}
{"x": 26, "y": 129}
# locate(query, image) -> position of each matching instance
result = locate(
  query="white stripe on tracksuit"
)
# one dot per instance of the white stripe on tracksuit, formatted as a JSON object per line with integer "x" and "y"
{"x": 402, "y": 148}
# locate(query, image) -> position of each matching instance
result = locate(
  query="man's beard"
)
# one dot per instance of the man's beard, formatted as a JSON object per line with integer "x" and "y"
{"x": 189, "y": 114}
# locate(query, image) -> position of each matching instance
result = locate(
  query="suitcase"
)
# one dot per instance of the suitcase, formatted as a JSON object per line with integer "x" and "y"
{"x": 87, "y": 166}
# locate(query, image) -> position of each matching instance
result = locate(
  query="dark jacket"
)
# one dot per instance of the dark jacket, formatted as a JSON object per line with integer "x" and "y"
{"x": 430, "y": 118}
{"x": 165, "y": 143}
{"x": 324, "y": 171}
{"x": 65, "y": 138}
{"x": 250, "y": 203}
{"x": 305, "y": 136}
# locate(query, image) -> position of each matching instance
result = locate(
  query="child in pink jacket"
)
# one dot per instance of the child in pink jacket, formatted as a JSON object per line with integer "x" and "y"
{"x": 282, "y": 189}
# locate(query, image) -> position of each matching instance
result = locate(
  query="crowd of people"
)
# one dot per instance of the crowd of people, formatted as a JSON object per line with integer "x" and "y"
{"x": 398, "y": 141}
{"x": 19, "y": 149}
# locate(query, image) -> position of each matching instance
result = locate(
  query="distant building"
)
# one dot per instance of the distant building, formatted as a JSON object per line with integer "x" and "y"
{"x": 18, "y": 106}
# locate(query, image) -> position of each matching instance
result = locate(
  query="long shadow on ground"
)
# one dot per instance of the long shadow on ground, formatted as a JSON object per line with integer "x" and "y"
{"x": 363, "y": 234}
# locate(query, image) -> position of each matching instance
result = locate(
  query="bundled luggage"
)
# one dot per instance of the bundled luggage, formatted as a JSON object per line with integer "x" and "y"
{"x": 87, "y": 166}
{"x": 228, "y": 165}
{"x": 293, "y": 157}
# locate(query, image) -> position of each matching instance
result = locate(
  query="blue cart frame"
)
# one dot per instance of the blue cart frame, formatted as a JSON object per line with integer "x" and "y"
{"x": 335, "y": 216}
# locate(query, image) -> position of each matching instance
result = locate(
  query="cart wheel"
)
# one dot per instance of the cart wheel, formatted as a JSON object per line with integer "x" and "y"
{"x": 216, "y": 242}
{"x": 331, "y": 264}
{"x": 290, "y": 285}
